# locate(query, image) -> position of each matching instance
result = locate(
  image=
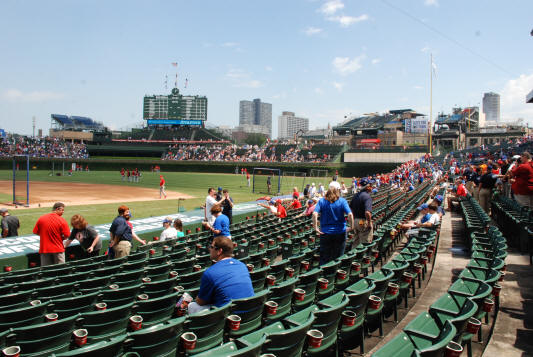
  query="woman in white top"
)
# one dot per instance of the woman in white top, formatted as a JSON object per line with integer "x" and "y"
{"x": 169, "y": 232}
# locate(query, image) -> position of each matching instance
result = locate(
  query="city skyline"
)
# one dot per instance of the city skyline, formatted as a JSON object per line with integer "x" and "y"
{"x": 322, "y": 59}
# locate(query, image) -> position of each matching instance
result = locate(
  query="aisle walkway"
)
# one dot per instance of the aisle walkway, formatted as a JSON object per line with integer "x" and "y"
{"x": 450, "y": 260}
{"x": 513, "y": 332}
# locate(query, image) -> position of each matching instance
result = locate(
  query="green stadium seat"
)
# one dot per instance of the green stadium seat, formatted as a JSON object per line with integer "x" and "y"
{"x": 231, "y": 349}
{"x": 156, "y": 310}
{"x": 208, "y": 326}
{"x": 400, "y": 346}
{"x": 307, "y": 282}
{"x": 455, "y": 309}
{"x": 158, "y": 272}
{"x": 35, "y": 284}
{"x": 56, "y": 291}
{"x": 70, "y": 306}
{"x": 258, "y": 277}
{"x": 43, "y": 339}
{"x": 106, "y": 324}
{"x": 94, "y": 284}
{"x": 358, "y": 294}
{"x": 191, "y": 280}
{"x": 281, "y": 294}
{"x": 250, "y": 310}
{"x": 15, "y": 300}
{"x": 23, "y": 316}
{"x": 160, "y": 340}
{"x": 159, "y": 288}
{"x": 329, "y": 272}
{"x": 129, "y": 278}
{"x": 107, "y": 348}
{"x": 120, "y": 296}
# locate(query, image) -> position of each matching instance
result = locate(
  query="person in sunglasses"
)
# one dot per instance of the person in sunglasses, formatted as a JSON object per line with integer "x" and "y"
{"x": 223, "y": 281}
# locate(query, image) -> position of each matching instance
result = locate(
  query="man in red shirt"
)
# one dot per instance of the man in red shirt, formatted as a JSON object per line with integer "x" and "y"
{"x": 53, "y": 229}
{"x": 460, "y": 192}
{"x": 281, "y": 211}
{"x": 162, "y": 186}
{"x": 522, "y": 182}
{"x": 296, "y": 204}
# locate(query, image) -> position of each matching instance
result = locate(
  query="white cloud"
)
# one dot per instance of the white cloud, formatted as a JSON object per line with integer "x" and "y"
{"x": 319, "y": 91}
{"x": 15, "y": 95}
{"x": 376, "y": 60}
{"x": 310, "y": 31}
{"x": 268, "y": 68}
{"x": 418, "y": 87}
{"x": 513, "y": 98}
{"x": 242, "y": 79}
{"x": 345, "y": 20}
{"x": 229, "y": 44}
{"x": 345, "y": 65}
{"x": 331, "y": 7}
{"x": 431, "y": 2}
{"x": 338, "y": 86}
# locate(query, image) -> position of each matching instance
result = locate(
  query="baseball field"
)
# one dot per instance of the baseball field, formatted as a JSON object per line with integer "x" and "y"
{"x": 97, "y": 194}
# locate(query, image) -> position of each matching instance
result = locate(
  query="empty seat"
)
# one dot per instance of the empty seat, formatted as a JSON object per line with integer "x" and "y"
{"x": 73, "y": 305}
{"x": 208, "y": 325}
{"x": 160, "y": 340}
{"x": 107, "y": 348}
{"x": 156, "y": 310}
{"x": 105, "y": 324}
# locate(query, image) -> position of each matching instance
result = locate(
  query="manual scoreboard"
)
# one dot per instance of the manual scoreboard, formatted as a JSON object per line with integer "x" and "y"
{"x": 175, "y": 109}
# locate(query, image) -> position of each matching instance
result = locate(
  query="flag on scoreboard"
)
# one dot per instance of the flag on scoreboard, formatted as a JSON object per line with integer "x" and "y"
{"x": 175, "y": 64}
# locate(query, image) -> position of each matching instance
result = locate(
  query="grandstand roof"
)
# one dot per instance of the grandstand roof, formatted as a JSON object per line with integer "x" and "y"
{"x": 76, "y": 122}
{"x": 449, "y": 119}
{"x": 370, "y": 122}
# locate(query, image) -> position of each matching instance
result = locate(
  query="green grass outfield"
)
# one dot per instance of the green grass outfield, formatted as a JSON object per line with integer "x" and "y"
{"x": 194, "y": 184}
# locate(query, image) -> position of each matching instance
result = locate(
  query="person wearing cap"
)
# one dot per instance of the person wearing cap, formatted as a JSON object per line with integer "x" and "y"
{"x": 281, "y": 212}
{"x": 227, "y": 205}
{"x": 295, "y": 204}
{"x": 218, "y": 196}
{"x": 306, "y": 191}
{"x": 332, "y": 209}
{"x": 438, "y": 201}
{"x": 52, "y": 229}
{"x": 162, "y": 187}
{"x": 169, "y": 231}
{"x": 361, "y": 207}
{"x": 423, "y": 217}
{"x": 10, "y": 224}
{"x": 309, "y": 208}
{"x": 460, "y": 192}
{"x": 486, "y": 185}
{"x": 220, "y": 227}
{"x": 226, "y": 279}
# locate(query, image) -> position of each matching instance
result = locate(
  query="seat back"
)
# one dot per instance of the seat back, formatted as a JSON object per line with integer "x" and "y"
{"x": 208, "y": 325}
{"x": 160, "y": 340}
{"x": 109, "y": 348}
{"x": 105, "y": 324}
{"x": 23, "y": 316}
{"x": 155, "y": 310}
{"x": 73, "y": 305}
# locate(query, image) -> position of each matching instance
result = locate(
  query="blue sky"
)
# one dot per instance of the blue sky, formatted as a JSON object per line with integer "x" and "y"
{"x": 320, "y": 59}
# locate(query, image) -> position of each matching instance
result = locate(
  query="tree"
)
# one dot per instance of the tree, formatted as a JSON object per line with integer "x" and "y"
{"x": 255, "y": 139}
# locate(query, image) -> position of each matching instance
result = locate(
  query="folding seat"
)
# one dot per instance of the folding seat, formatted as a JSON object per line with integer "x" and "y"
{"x": 134, "y": 257}
{"x": 107, "y": 270}
{"x": 157, "y": 260}
{"x": 23, "y": 316}
{"x": 18, "y": 278}
{"x": 399, "y": 346}
{"x": 160, "y": 340}
{"x": 88, "y": 268}
{"x": 134, "y": 265}
{"x": 73, "y": 277}
{"x": 56, "y": 291}
{"x": 257, "y": 259}
{"x": 486, "y": 263}
{"x": 191, "y": 280}
{"x": 159, "y": 288}
{"x": 208, "y": 326}
{"x": 120, "y": 296}
{"x": 158, "y": 272}
{"x": 58, "y": 270}
{"x": 278, "y": 270}
{"x": 329, "y": 272}
{"x": 94, "y": 284}
{"x": 15, "y": 300}
{"x": 156, "y": 310}
{"x": 204, "y": 260}
{"x": 307, "y": 282}
{"x": 231, "y": 349}
{"x": 427, "y": 336}
{"x": 489, "y": 276}
{"x": 258, "y": 277}
{"x": 250, "y": 310}
{"x": 7, "y": 289}
{"x": 35, "y": 284}
{"x": 177, "y": 255}
{"x": 281, "y": 294}
{"x": 115, "y": 261}
{"x": 43, "y": 339}
{"x": 455, "y": 309}
{"x": 241, "y": 251}
{"x": 128, "y": 278}
{"x": 327, "y": 321}
{"x": 184, "y": 266}
{"x": 281, "y": 340}
{"x": 295, "y": 262}
{"x": 70, "y": 306}
{"x": 358, "y": 294}
{"x": 477, "y": 291}
{"x": 106, "y": 348}
{"x": 105, "y": 324}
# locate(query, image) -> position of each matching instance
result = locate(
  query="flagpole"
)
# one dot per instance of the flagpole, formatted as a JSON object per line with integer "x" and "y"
{"x": 430, "y": 102}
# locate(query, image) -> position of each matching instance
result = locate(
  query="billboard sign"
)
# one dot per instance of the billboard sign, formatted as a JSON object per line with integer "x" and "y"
{"x": 173, "y": 122}
{"x": 416, "y": 125}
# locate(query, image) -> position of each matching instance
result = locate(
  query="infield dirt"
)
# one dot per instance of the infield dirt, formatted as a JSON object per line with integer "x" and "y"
{"x": 45, "y": 194}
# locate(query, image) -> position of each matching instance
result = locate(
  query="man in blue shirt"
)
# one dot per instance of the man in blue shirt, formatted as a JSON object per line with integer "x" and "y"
{"x": 225, "y": 280}
{"x": 361, "y": 206}
{"x": 120, "y": 233}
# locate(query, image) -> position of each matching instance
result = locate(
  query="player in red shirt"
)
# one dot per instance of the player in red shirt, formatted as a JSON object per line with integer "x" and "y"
{"x": 52, "y": 229}
{"x": 162, "y": 187}
{"x": 281, "y": 211}
{"x": 296, "y": 204}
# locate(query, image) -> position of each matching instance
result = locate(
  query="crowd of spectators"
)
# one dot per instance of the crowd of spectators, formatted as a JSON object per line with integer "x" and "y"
{"x": 245, "y": 153}
{"x": 46, "y": 147}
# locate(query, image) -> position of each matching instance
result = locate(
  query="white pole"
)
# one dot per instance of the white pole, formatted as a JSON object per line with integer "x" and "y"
{"x": 430, "y": 103}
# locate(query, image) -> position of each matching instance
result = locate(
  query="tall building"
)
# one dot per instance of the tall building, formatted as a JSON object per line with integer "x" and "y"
{"x": 256, "y": 113}
{"x": 491, "y": 106}
{"x": 289, "y": 125}
{"x": 175, "y": 109}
